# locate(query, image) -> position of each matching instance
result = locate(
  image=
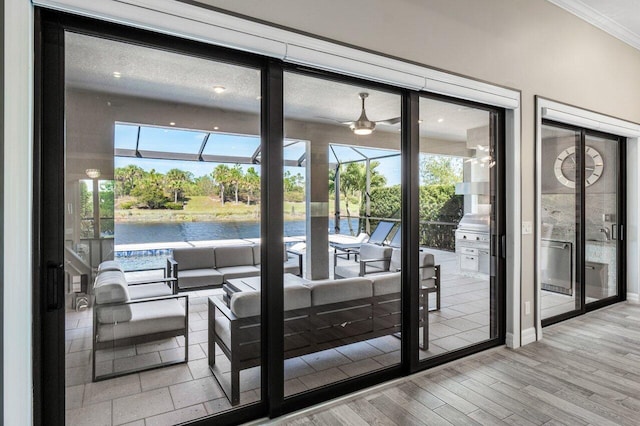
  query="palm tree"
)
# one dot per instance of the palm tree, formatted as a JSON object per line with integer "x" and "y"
{"x": 221, "y": 176}
{"x": 353, "y": 182}
{"x": 176, "y": 181}
{"x": 251, "y": 182}
{"x": 235, "y": 178}
{"x": 127, "y": 178}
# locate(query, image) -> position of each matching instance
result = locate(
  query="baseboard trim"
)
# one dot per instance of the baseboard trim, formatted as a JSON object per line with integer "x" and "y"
{"x": 633, "y": 298}
{"x": 528, "y": 336}
{"x": 508, "y": 341}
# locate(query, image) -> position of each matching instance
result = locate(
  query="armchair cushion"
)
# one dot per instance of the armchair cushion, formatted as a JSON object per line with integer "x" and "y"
{"x": 427, "y": 266}
{"x": 145, "y": 291}
{"x": 374, "y": 251}
{"x": 111, "y": 287}
{"x": 146, "y": 318}
{"x": 194, "y": 258}
{"x": 396, "y": 260}
{"x": 109, "y": 265}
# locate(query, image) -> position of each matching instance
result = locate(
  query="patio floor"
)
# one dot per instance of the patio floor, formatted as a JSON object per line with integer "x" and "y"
{"x": 188, "y": 391}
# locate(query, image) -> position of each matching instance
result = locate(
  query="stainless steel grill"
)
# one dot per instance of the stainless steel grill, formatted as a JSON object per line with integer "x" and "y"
{"x": 472, "y": 243}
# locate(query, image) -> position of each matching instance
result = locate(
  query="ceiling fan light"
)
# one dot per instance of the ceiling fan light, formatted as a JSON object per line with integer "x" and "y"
{"x": 362, "y": 131}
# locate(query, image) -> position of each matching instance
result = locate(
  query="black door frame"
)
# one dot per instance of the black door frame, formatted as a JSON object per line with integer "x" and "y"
{"x": 48, "y": 254}
{"x": 579, "y": 268}
{"x": 498, "y": 238}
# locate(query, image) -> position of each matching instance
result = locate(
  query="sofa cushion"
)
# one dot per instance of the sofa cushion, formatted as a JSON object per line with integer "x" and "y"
{"x": 374, "y": 251}
{"x": 199, "y": 278}
{"x": 388, "y": 283}
{"x": 333, "y": 291}
{"x": 247, "y": 303}
{"x": 146, "y": 318}
{"x": 231, "y": 272}
{"x": 194, "y": 258}
{"x": 109, "y": 265}
{"x": 234, "y": 256}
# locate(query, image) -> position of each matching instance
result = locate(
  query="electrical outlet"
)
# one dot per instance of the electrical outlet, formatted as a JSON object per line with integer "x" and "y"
{"x": 527, "y": 228}
{"x": 527, "y": 308}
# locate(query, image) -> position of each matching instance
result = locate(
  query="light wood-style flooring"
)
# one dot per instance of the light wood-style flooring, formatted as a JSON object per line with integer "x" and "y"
{"x": 586, "y": 371}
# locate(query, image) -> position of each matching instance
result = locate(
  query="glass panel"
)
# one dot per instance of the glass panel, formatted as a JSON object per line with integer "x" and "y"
{"x": 457, "y": 220}
{"x": 560, "y": 205}
{"x": 159, "y": 219}
{"x": 231, "y": 145}
{"x": 126, "y": 136}
{"x": 601, "y": 218}
{"x": 341, "y": 292}
{"x": 170, "y": 140}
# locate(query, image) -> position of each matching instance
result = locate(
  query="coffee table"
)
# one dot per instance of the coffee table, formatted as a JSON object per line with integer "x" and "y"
{"x": 235, "y": 285}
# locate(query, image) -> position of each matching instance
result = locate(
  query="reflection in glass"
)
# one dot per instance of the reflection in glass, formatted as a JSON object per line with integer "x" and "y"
{"x": 560, "y": 202}
{"x": 162, "y": 255}
{"x": 457, "y": 219}
{"x": 342, "y": 310}
{"x": 601, "y": 218}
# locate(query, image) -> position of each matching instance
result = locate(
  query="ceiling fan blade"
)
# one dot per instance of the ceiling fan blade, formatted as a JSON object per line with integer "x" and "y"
{"x": 337, "y": 121}
{"x": 390, "y": 121}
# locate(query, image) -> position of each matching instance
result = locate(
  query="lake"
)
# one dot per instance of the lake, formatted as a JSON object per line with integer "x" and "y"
{"x": 139, "y": 233}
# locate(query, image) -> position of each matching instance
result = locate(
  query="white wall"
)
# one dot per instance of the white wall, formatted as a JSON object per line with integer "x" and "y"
{"x": 17, "y": 192}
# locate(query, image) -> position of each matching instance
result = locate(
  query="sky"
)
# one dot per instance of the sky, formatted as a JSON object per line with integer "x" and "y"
{"x": 187, "y": 141}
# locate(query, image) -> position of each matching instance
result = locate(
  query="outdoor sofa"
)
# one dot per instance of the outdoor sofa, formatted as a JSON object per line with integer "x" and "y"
{"x": 131, "y": 313}
{"x": 377, "y": 260}
{"x": 318, "y": 315}
{"x": 197, "y": 267}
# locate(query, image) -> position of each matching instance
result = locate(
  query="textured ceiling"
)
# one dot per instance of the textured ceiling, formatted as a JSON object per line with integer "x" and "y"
{"x": 620, "y": 18}
{"x": 155, "y": 74}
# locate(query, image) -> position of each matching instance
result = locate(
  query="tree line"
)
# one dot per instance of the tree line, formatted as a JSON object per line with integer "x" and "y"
{"x": 155, "y": 190}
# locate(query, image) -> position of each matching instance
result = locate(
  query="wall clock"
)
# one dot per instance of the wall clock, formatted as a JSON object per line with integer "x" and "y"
{"x": 565, "y": 166}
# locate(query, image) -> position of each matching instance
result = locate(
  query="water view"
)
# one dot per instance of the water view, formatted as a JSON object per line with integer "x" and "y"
{"x": 140, "y": 233}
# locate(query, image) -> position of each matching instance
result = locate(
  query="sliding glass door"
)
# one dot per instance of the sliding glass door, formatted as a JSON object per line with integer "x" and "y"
{"x": 582, "y": 220}
{"x": 224, "y": 235}
{"x": 460, "y": 227}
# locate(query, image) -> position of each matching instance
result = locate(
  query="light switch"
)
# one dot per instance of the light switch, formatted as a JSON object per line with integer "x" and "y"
{"x": 527, "y": 228}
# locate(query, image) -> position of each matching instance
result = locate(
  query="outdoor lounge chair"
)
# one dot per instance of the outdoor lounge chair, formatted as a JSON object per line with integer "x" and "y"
{"x": 378, "y": 236}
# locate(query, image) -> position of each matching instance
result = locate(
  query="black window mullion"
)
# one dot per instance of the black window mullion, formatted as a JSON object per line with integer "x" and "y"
{"x": 410, "y": 239}
{"x": 272, "y": 228}
{"x": 580, "y": 211}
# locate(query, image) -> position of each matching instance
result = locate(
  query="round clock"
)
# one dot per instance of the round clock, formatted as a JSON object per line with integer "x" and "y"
{"x": 565, "y": 166}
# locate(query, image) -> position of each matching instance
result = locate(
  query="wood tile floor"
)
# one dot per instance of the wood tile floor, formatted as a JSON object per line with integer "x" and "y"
{"x": 585, "y": 371}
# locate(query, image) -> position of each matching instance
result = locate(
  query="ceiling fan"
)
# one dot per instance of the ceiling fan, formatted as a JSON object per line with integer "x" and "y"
{"x": 364, "y": 126}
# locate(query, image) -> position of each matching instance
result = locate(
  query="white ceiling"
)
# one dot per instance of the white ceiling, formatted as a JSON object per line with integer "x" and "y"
{"x": 155, "y": 74}
{"x": 620, "y": 18}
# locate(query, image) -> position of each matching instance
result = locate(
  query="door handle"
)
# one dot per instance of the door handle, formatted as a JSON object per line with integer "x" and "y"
{"x": 55, "y": 279}
{"x": 621, "y": 233}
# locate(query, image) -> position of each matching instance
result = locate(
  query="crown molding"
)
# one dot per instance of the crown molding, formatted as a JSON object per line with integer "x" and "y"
{"x": 598, "y": 20}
